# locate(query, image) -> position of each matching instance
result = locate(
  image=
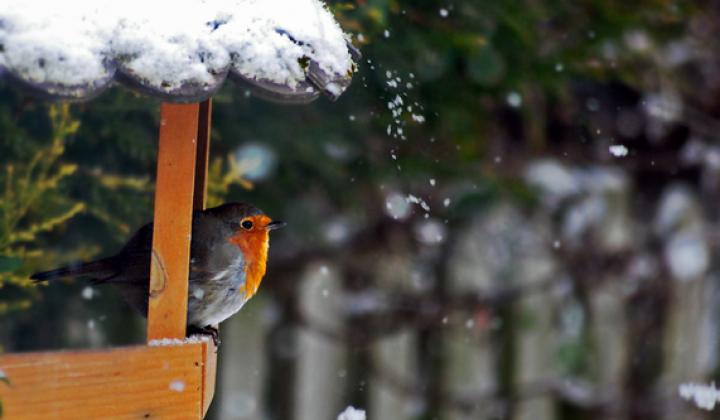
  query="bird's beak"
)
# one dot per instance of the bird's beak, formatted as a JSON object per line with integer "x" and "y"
{"x": 275, "y": 224}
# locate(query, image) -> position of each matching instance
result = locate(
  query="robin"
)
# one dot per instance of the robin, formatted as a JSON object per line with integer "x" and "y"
{"x": 228, "y": 254}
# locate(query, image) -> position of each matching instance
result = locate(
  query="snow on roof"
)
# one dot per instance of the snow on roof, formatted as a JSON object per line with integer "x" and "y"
{"x": 180, "y": 50}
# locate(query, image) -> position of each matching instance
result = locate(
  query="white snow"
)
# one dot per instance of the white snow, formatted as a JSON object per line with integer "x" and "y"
{"x": 665, "y": 106}
{"x": 337, "y": 231}
{"x": 167, "y": 43}
{"x": 554, "y": 179}
{"x": 618, "y": 150}
{"x": 194, "y": 339}
{"x": 599, "y": 179}
{"x": 677, "y": 208}
{"x": 589, "y": 212}
{"x": 419, "y": 201}
{"x": 177, "y": 385}
{"x": 397, "y": 206}
{"x": 430, "y": 232}
{"x": 418, "y": 118}
{"x": 687, "y": 254}
{"x": 514, "y": 99}
{"x": 679, "y": 222}
{"x": 254, "y": 161}
{"x": 704, "y": 396}
{"x": 558, "y": 181}
{"x": 638, "y": 41}
{"x": 352, "y": 413}
{"x": 88, "y": 293}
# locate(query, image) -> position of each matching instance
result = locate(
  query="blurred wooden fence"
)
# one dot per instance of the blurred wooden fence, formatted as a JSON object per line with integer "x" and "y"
{"x": 505, "y": 319}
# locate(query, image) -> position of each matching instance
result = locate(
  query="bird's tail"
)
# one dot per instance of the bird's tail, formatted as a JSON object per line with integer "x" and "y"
{"x": 98, "y": 271}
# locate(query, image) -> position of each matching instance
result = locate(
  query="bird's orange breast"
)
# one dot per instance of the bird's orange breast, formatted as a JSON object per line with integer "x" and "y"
{"x": 254, "y": 246}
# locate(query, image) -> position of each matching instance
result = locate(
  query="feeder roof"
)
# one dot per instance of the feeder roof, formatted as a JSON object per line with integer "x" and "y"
{"x": 177, "y": 50}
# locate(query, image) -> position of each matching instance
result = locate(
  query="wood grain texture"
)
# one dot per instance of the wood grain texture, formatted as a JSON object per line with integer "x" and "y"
{"x": 209, "y": 375}
{"x": 174, "y": 195}
{"x": 122, "y": 383}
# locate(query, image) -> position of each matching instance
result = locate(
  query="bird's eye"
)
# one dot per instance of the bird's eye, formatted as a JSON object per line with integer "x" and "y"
{"x": 246, "y": 224}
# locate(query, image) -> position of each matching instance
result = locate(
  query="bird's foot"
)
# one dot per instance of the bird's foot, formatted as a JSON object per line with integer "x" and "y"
{"x": 206, "y": 330}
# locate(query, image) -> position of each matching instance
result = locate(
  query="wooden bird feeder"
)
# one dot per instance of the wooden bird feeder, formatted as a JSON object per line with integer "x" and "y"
{"x": 176, "y": 380}
{"x": 170, "y": 377}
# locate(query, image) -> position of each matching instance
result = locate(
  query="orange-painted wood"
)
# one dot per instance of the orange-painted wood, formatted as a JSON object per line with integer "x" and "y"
{"x": 167, "y": 306}
{"x": 128, "y": 382}
{"x": 209, "y": 375}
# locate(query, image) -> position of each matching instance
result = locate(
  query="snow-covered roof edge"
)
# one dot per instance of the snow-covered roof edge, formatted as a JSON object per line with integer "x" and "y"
{"x": 179, "y": 51}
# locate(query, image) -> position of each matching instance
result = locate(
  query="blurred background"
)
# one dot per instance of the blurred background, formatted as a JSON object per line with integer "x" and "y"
{"x": 511, "y": 214}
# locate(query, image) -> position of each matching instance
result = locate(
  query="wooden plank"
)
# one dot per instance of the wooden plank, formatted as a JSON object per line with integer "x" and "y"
{"x": 203, "y": 154}
{"x": 167, "y": 306}
{"x": 209, "y": 375}
{"x": 130, "y": 382}
{"x": 199, "y": 203}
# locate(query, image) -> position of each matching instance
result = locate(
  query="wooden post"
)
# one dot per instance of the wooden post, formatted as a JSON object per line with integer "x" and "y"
{"x": 199, "y": 202}
{"x": 172, "y": 227}
{"x": 183, "y": 155}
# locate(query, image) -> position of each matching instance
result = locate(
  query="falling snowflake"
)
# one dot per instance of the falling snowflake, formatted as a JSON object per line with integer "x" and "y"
{"x": 618, "y": 150}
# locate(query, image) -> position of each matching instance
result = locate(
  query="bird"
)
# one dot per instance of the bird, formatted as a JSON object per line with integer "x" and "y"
{"x": 228, "y": 257}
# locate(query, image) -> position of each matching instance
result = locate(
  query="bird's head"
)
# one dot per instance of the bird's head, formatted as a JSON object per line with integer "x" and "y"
{"x": 249, "y": 227}
{"x": 245, "y": 219}
{"x": 250, "y": 231}
{"x": 255, "y": 224}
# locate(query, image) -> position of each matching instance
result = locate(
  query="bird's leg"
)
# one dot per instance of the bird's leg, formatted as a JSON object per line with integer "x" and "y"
{"x": 206, "y": 330}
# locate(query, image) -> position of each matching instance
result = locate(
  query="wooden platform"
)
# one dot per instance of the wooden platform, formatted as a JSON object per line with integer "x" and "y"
{"x": 143, "y": 382}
